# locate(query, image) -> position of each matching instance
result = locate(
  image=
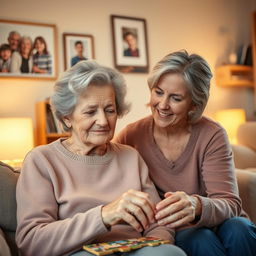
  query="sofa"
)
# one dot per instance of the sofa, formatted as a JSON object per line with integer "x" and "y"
{"x": 245, "y": 163}
{"x": 8, "y": 180}
{"x": 244, "y": 153}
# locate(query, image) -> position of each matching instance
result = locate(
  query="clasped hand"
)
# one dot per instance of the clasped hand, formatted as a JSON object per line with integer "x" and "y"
{"x": 133, "y": 207}
{"x": 136, "y": 209}
{"x": 177, "y": 209}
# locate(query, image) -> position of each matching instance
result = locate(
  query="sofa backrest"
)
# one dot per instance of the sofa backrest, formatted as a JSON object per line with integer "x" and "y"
{"x": 8, "y": 207}
{"x": 246, "y": 135}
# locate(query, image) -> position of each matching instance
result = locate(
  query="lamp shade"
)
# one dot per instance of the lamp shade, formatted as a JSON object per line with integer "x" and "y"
{"x": 231, "y": 119}
{"x": 16, "y": 138}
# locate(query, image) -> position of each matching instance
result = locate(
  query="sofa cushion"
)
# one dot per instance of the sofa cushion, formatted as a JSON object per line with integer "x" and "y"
{"x": 4, "y": 248}
{"x": 244, "y": 157}
{"x": 8, "y": 180}
{"x": 246, "y": 134}
{"x": 246, "y": 180}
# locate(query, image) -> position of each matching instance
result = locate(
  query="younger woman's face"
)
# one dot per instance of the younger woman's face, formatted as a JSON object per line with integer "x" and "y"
{"x": 40, "y": 46}
{"x": 170, "y": 101}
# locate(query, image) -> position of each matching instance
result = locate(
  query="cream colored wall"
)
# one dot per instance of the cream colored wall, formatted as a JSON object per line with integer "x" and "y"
{"x": 207, "y": 27}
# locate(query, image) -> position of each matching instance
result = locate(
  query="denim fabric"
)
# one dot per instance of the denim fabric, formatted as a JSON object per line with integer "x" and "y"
{"x": 234, "y": 237}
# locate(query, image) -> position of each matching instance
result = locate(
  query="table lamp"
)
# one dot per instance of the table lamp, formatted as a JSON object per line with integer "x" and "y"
{"x": 231, "y": 119}
{"x": 16, "y": 139}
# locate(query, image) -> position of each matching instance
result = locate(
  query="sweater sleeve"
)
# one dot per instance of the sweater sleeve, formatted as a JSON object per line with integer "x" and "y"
{"x": 148, "y": 187}
{"x": 40, "y": 231}
{"x": 218, "y": 174}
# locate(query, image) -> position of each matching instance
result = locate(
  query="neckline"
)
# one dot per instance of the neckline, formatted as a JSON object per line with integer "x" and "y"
{"x": 183, "y": 156}
{"x": 89, "y": 159}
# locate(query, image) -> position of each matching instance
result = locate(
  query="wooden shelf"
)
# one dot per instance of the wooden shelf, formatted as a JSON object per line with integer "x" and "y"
{"x": 57, "y": 135}
{"x": 234, "y": 75}
{"x": 42, "y": 136}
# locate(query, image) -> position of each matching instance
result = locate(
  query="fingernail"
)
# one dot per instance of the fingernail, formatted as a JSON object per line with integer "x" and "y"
{"x": 157, "y": 216}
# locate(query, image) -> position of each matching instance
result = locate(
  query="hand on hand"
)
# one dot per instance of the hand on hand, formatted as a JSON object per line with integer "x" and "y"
{"x": 177, "y": 209}
{"x": 132, "y": 207}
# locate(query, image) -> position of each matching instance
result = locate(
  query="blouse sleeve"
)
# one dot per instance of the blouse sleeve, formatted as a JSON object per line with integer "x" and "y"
{"x": 218, "y": 174}
{"x": 39, "y": 228}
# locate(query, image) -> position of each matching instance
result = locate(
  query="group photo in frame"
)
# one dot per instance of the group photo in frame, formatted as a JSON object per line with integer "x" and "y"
{"x": 77, "y": 47}
{"x": 130, "y": 44}
{"x": 28, "y": 50}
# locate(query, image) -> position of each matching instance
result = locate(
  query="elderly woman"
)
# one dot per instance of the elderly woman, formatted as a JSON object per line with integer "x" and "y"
{"x": 22, "y": 61}
{"x": 190, "y": 161}
{"x": 85, "y": 189}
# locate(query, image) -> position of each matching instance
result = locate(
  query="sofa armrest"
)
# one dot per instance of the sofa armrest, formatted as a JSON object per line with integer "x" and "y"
{"x": 8, "y": 181}
{"x": 246, "y": 180}
{"x": 244, "y": 157}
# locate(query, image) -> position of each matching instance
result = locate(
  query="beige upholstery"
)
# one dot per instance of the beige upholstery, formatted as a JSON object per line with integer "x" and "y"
{"x": 245, "y": 163}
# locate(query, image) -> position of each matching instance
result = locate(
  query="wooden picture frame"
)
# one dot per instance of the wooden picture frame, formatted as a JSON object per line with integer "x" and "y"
{"x": 20, "y": 38}
{"x": 130, "y": 44}
{"x": 74, "y": 43}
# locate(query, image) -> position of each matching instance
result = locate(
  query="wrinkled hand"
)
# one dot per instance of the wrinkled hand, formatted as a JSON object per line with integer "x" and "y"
{"x": 132, "y": 207}
{"x": 177, "y": 209}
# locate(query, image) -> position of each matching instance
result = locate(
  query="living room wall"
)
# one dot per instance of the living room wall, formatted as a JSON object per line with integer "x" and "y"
{"x": 211, "y": 28}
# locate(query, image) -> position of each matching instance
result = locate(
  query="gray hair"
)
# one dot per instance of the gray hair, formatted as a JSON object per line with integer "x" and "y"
{"x": 195, "y": 72}
{"x": 24, "y": 38}
{"x": 14, "y": 32}
{"x": 75, "y": 80}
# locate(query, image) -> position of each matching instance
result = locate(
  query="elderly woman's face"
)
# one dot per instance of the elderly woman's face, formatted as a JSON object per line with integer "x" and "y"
{"x": 170, "y": 101}
{"x": 26, "y": 46}
{"x": 94, "y": 118}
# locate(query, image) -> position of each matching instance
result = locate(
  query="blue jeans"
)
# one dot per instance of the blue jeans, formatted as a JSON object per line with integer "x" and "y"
{"x": 234, "y": 237}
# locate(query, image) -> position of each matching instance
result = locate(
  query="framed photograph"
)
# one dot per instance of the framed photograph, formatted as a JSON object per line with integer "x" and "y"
{"x": 77, "y": 47}
{"x": 130, "y": 44}
{"x": 28, "y": 50}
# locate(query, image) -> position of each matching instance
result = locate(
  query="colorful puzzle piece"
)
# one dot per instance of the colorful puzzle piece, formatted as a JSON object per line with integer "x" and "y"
{"x": 123, "y": 245}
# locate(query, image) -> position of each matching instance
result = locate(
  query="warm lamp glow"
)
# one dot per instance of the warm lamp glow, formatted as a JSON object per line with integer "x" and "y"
{"x": 231, "y": 119}
{"x": 16, "y": 138}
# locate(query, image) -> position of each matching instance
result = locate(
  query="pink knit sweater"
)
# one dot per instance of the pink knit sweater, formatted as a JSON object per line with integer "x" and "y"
{"x": 205, "y": 168}
{"x": 60, "y": 196}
